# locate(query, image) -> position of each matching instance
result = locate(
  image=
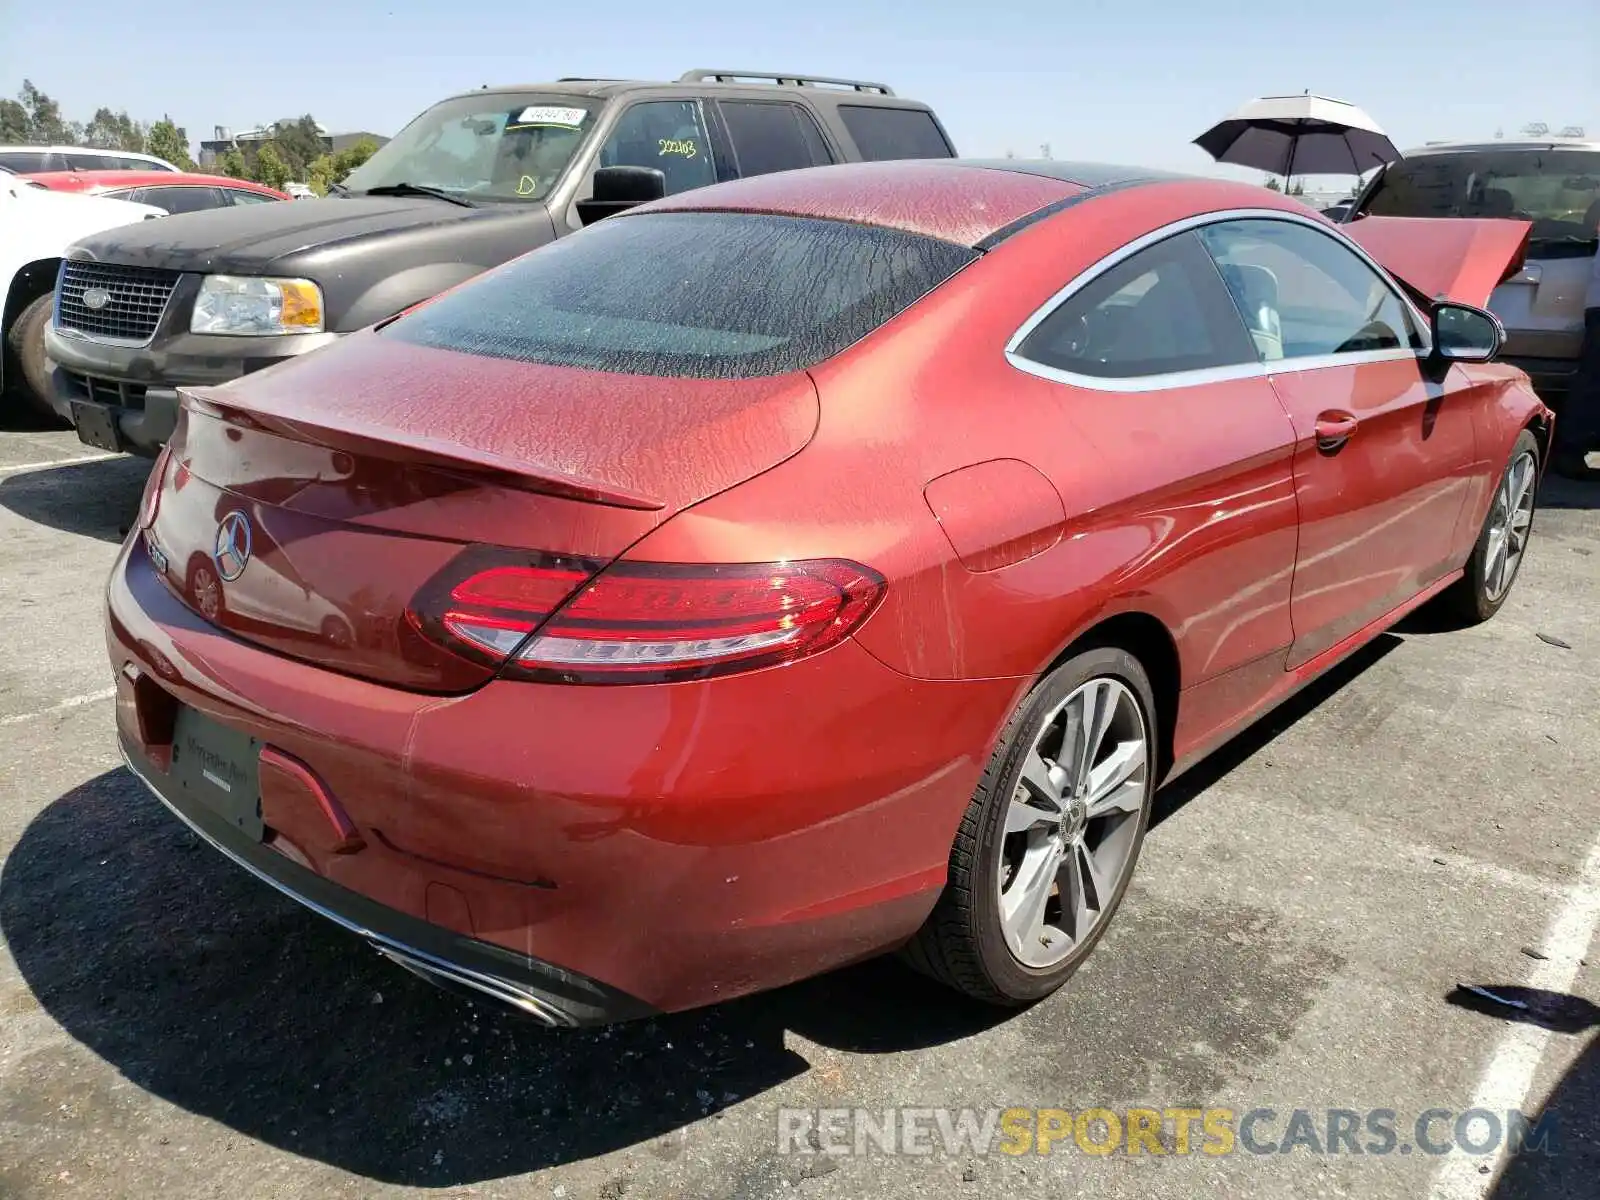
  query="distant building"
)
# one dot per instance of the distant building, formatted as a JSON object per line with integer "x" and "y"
{"x": 226, "y": 139}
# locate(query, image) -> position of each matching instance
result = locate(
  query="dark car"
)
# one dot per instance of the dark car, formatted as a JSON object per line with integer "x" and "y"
{"x": 474, "y": 181}
{"x": 1554, "y": 183}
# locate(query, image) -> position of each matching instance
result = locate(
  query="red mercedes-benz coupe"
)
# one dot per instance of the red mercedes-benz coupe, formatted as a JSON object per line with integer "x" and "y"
{"x": 808, "y": 567}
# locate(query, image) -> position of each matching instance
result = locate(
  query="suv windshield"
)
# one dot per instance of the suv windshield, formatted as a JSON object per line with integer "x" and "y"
{"x": 489, "y": 147}
{"x": 1558, "y": 190}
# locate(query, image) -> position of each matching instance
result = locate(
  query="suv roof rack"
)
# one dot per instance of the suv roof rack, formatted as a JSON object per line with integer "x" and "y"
{"x": 782, "y": 79}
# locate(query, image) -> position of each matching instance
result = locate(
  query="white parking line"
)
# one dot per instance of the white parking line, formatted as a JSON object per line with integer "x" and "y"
{"x": 14, "y": 468}
{"x": 1509, "y": 1076}
{"x": 66, "y": 705}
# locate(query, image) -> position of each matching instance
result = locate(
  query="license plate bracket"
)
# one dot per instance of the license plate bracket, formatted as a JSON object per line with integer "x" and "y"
{"x": 97, "y": 426}
{"x": 220, "y": 768}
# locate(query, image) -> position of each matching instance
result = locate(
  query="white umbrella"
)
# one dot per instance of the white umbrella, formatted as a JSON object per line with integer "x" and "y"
{"x": 1299, "y": 135}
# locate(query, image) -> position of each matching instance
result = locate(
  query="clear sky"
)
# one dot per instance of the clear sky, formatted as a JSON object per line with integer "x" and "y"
{"x": 1111, "y": 80}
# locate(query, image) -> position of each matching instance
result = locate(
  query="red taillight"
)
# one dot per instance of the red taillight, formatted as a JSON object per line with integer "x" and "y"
{"x": 654, "y": 622}
{"x": 152, "y": 489}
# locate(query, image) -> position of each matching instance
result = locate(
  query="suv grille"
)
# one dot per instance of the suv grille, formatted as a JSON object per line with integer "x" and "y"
{"x": 137, "y": 296}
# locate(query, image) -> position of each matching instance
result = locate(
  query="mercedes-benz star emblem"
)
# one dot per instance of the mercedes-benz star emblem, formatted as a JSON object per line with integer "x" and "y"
{"x": 232, "y": 551}
{"x": 96, "y": 298}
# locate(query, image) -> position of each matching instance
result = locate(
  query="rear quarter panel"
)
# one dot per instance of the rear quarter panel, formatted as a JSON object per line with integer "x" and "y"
{"x": 1192, "y": 522}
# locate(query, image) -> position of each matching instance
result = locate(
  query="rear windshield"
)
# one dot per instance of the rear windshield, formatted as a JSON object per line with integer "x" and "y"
{"x": 707, "y": 295}
{"x": 1558, "y": 190}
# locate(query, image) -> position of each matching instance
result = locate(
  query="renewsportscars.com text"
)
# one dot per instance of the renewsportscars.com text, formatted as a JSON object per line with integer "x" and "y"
{"x": 1213, "y": 1132}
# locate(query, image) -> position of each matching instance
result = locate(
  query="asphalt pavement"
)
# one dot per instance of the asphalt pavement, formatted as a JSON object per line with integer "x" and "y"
{"x": 1305, "y": 914}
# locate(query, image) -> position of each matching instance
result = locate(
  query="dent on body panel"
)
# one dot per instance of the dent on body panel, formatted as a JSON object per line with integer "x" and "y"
{"x": 1184, "y": 507}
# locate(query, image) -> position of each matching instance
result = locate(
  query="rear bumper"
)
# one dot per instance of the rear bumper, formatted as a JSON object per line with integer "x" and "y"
{"x": 478, "y": 968}
{"x": 594, "y": 852}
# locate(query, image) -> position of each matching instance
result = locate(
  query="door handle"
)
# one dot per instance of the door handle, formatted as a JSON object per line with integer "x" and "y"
{"x": 1334, "y": 429}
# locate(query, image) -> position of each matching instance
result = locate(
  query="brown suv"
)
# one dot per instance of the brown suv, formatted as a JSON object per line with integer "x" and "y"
{"x": 477, "y": 179}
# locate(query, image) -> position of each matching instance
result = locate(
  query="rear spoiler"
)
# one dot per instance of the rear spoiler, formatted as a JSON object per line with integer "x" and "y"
{"x": 448, "y": 458}
{"x": 1445, "y": 258}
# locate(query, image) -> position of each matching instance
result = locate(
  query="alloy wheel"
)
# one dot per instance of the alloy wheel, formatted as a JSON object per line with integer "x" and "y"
{"x": 1510, "y": 520}
{"x": 1072, "y": 825}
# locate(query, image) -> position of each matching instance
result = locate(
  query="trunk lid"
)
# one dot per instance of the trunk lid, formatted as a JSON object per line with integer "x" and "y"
{"x": 304, "y": 508}
{"x": 1448, "y": 258}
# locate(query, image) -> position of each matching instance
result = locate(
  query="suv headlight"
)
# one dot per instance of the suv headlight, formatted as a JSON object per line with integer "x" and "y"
{"x": 249, "y": 304}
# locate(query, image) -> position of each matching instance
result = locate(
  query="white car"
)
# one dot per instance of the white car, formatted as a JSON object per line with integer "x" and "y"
{"x": 36, "y": 227}
{"x": 33, "y": 160}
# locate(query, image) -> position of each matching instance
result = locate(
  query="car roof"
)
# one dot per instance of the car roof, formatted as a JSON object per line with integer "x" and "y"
{"x": 738, "y": 84}
{"x": 973, "y": 202}
{"x": 67, "y": 181}
{"x": 1547, "y": 143}
{"x": 81, "y": 150}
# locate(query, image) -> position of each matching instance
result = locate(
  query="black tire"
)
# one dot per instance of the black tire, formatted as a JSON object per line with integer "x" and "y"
{"x": 962, "y": 943}
{"x": 1471, "y": 600}
{"x": 25, "y": 341}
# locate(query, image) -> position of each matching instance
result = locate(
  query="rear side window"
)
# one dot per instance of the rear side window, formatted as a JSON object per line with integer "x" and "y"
{"x": 181, "y": 199}
{"x": 1558, "y": 190}
{"x": 92, "y": 160}
{"x": 1162, "y": 311}
{"x": 26, "y": 162}
{"x": 770, "y": 136}
{"x": 884, "y": 133}
{"x": 703, "y": 295}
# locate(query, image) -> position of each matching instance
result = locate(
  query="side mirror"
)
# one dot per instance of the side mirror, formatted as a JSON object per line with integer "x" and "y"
{"x": 620, "y": 188}
{"x": 1462, "y": 333}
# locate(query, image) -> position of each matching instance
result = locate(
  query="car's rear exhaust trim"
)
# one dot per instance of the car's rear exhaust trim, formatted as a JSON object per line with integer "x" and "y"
{"x": 471, "y": 984}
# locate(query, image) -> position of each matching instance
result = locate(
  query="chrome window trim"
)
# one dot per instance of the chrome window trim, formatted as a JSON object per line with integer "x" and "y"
{"x": 1247, "y": 370}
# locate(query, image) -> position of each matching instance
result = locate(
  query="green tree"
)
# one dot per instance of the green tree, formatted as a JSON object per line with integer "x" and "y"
{"x": 114, "y": 131}
{"x": 45, "y": 122}
{"x": 298, "y": 141}
{"x": 14, "y": 128}
{"x": 231, "y": 163}
{"x": 269, "y": 167}
{"x": 329, "y": 169}
{"x": 170, "y": 141}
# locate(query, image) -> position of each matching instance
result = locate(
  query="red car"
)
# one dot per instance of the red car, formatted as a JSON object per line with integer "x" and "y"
{"x": 175, "y": 191}
{"x": 809, "y": 567}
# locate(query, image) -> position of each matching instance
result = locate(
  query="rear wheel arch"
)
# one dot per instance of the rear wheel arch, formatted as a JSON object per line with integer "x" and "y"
{"x": 1148, "y": 639}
